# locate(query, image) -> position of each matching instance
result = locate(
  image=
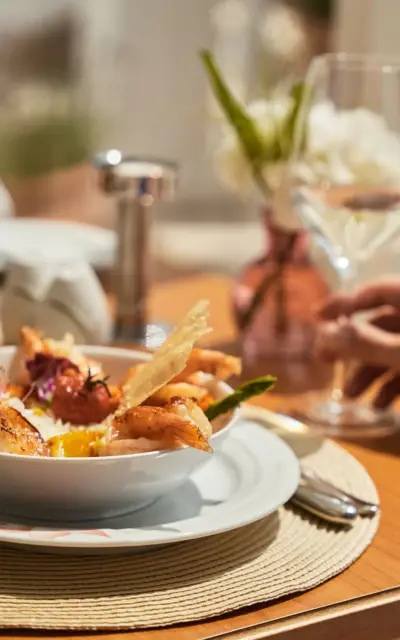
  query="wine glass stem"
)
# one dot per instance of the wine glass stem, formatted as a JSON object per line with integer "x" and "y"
{"x": 340, "y": 367}
{"x": 339, "y": 377}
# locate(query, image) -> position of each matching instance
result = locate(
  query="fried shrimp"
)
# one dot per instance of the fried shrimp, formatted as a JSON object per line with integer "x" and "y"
{"x": 177, "y": 421}
{"x": 177, "y": 390}
{"x": 139, "y": 445}
{"x": 189, "y": 410}
{"x": 216, "y": 363}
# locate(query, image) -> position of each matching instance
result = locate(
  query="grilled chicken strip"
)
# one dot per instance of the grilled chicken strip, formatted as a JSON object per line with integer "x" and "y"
{"x": 19, "y": 436}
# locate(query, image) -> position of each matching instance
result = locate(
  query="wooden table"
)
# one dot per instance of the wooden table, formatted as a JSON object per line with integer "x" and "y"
{"x": 362, "y": 603}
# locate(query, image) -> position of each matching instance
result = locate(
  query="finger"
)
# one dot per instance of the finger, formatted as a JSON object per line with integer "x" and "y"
{"x": 361, "y": 379}
{"x": 386, "y": 319}
{"x": 349, "y": 341}
{"x": 385, "y": 291}
{"x": 335, "y": 306}
{"x": 365, "y": 375}
{"x": 388, "y": 393}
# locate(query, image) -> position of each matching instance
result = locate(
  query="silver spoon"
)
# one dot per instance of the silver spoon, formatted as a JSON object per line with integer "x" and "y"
{"x": 324, "y": 505}
{"x": 364, "y": 508}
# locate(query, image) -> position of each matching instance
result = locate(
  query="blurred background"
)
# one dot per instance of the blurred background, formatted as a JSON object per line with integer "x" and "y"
{"x": 127, "y": 74}
{"x": 136, "y": 64}
{"x": 142, "y": 89}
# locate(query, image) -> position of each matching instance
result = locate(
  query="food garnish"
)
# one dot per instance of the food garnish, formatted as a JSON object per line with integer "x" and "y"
{"x": 244, "y": 392}
{"x": 43, "y": 371}
{"x": 169, "y": 360}
{"x": 92, "y": 382}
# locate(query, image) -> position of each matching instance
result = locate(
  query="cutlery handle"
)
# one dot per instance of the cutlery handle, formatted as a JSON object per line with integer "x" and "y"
{"x": 324, "y": 505}
{"x": 364, "y": 508}
{"x": 368, "y": 509}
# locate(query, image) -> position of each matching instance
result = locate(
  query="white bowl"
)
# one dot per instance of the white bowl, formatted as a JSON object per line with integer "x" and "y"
{"x": 73, "y": 489}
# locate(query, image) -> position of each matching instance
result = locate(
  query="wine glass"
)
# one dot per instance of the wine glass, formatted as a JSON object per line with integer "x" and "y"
{"x": 345, "y": 184}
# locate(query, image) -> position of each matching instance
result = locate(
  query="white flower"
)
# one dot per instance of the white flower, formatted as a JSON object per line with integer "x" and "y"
{"x": 343, "y": 147}
{"x": 323, "y": 129}
{"x": 268, "y": 115}
{"x": 349, "y": 146}
{"x": 230, "y": 162}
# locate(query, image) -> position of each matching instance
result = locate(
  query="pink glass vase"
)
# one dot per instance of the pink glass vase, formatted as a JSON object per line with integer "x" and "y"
{"x": 274, "y": 298}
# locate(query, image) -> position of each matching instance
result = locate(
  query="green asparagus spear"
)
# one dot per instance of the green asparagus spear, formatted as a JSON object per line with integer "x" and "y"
{"x": 244, "y": 392}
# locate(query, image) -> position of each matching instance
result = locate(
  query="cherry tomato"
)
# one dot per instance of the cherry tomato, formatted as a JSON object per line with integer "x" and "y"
{"x": 79, "y": 404}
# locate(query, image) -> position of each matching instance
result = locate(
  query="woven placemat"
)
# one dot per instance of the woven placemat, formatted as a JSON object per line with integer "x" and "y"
{"x": 286, "y": 553}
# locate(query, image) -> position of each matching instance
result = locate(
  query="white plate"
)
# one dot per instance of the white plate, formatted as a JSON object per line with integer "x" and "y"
{"x": 252, "y": 475}
{"x": 22, "y": 236}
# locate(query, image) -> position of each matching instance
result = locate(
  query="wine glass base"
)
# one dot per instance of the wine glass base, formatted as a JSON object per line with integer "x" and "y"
{"x": 349, "y": 419}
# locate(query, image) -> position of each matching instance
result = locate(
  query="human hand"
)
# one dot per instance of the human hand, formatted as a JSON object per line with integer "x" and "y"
{"x": 375, "y": 343}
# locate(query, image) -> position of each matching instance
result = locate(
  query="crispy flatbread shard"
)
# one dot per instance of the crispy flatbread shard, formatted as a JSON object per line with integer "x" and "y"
{"x": 169, "y": 360}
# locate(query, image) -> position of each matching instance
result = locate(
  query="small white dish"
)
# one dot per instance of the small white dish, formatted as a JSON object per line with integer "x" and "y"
{"x": 77, "y": 489}
{"x": 250, "y": 476}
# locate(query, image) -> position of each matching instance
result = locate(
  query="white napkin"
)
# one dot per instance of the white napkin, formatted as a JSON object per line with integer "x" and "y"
{"x": 58, "y": 296}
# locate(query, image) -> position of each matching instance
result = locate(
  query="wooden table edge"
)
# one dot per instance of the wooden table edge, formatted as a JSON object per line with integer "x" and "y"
{"x": 341, "y": 616}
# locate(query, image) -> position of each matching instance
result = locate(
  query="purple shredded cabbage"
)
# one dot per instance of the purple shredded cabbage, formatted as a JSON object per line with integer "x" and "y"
{"x": 43, "y": 370}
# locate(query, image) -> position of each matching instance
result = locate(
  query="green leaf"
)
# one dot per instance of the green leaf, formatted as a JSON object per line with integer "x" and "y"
{"x": 290, "y": 122}
{"x": 244, "y": 392}
{"x": 246, "y": 131}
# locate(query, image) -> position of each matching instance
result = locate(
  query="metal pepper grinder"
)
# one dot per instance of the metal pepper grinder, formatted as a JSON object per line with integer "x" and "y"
{"x": 137, "y": 184}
